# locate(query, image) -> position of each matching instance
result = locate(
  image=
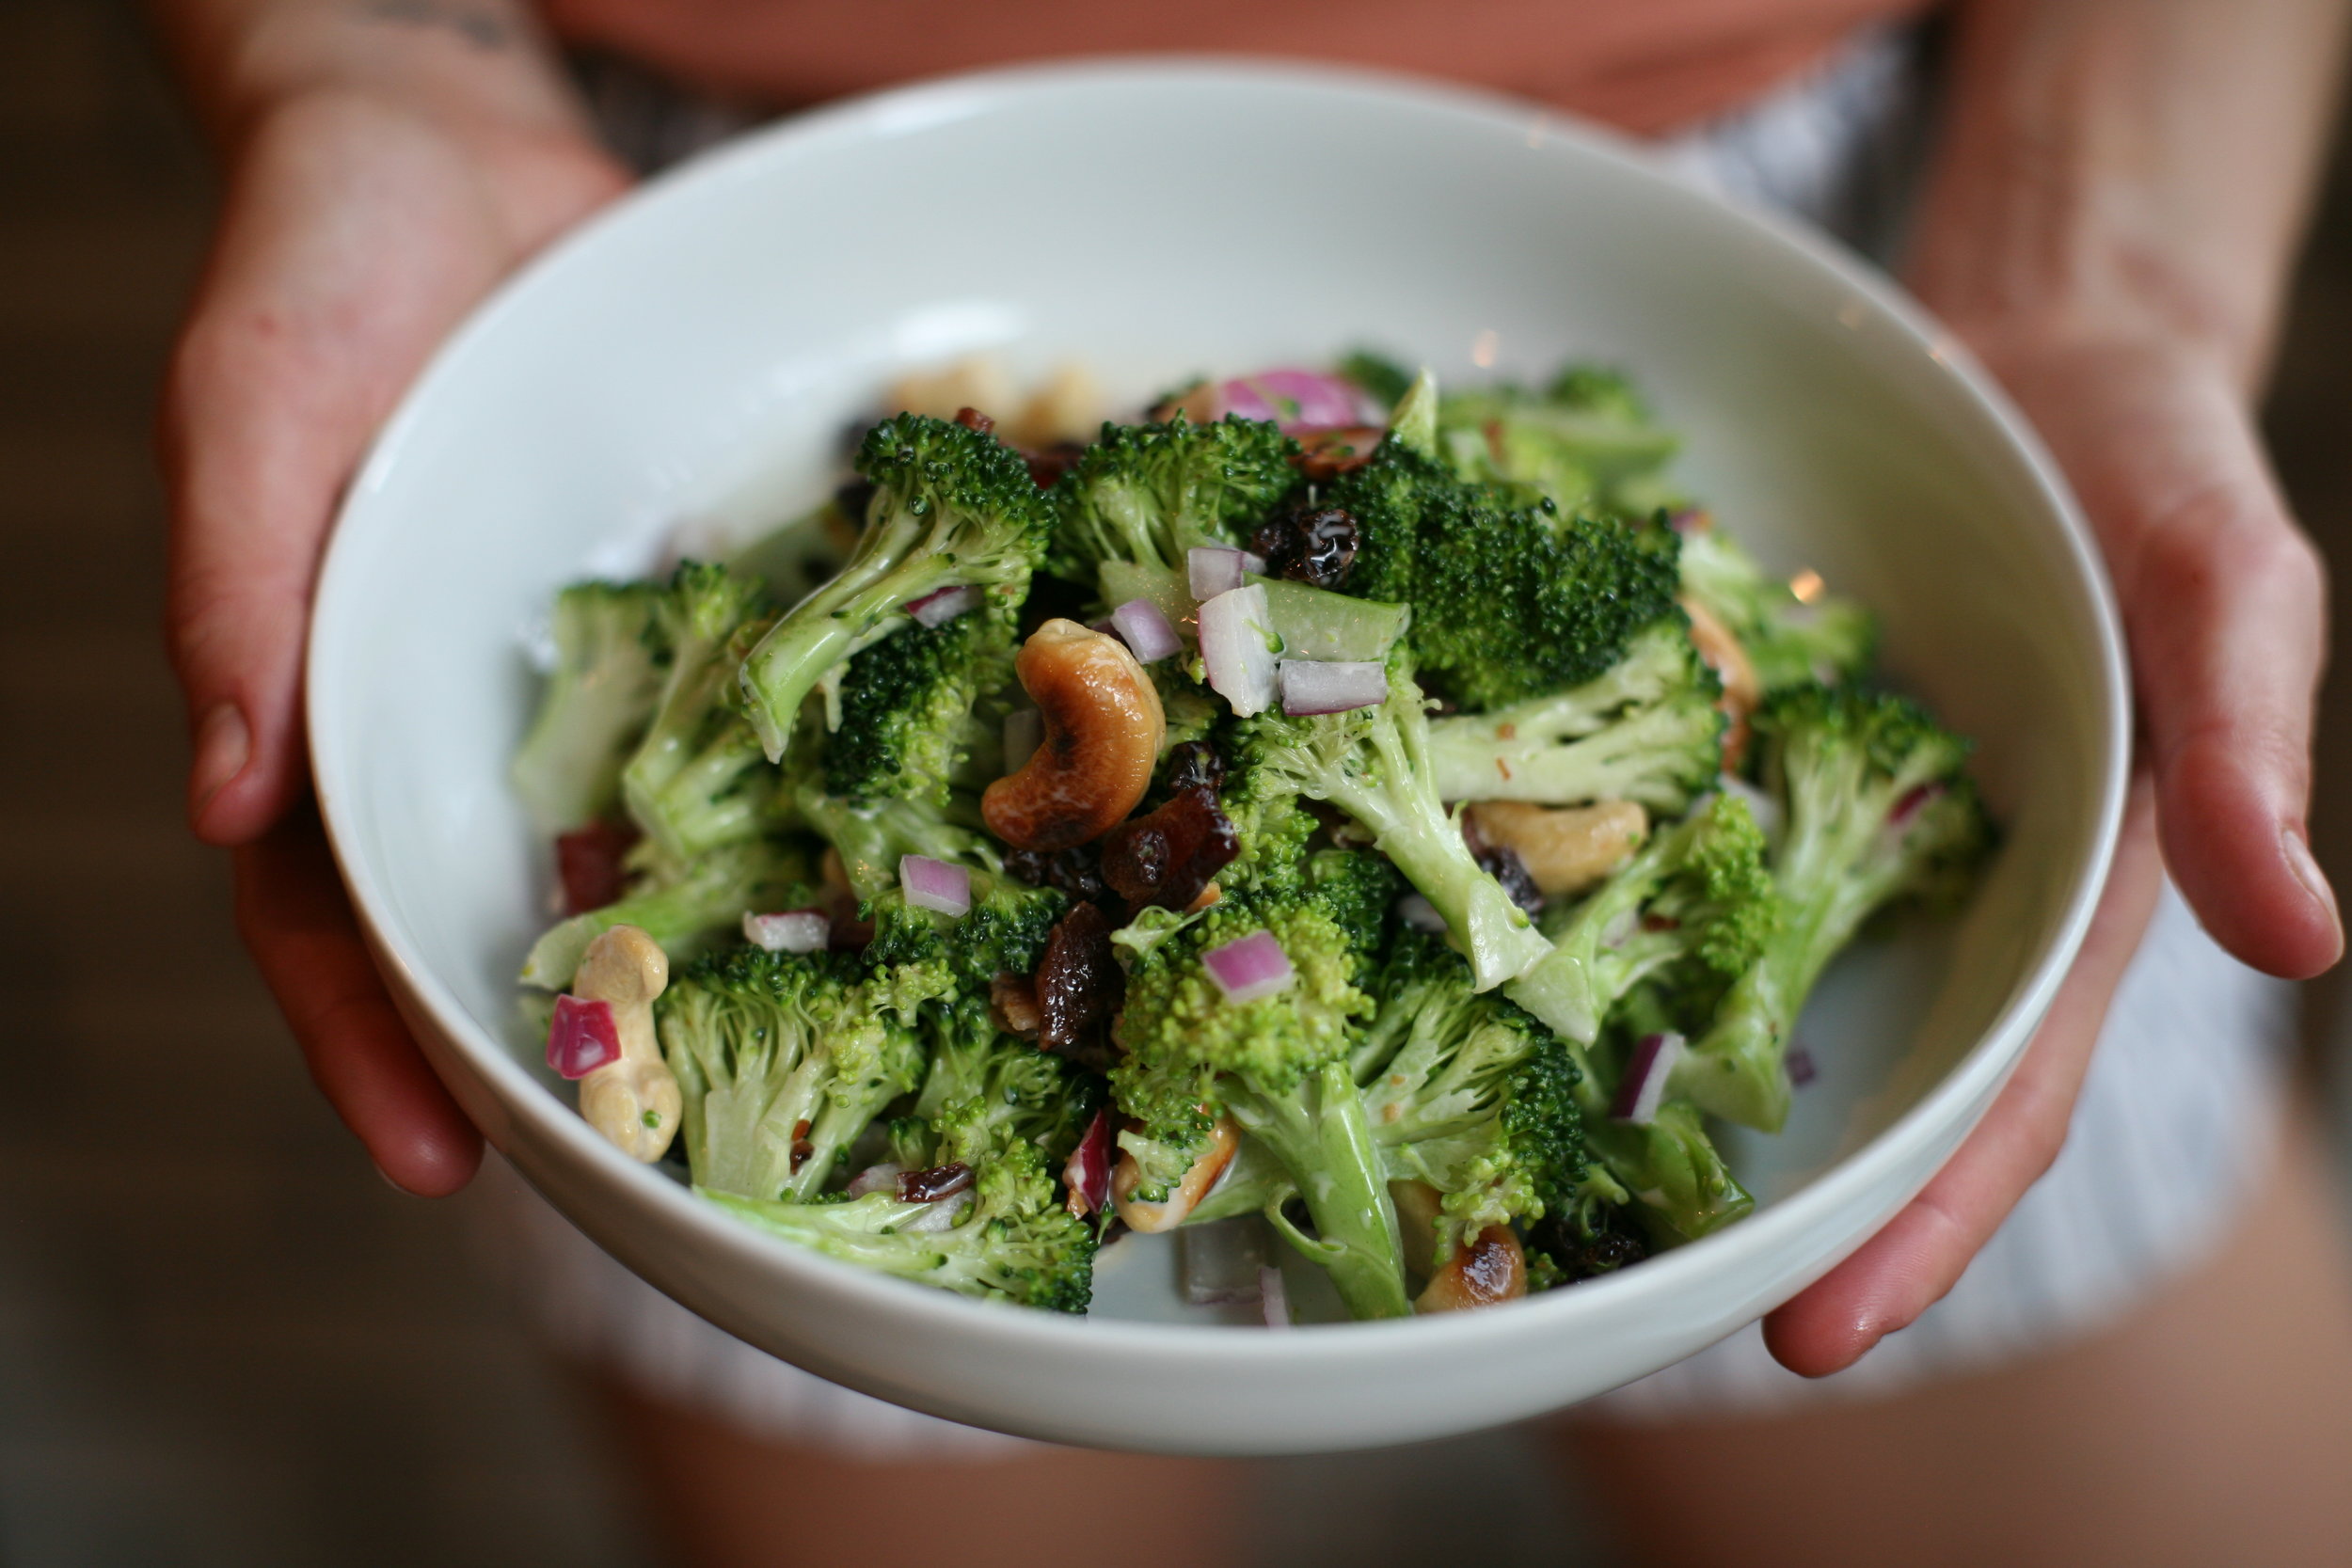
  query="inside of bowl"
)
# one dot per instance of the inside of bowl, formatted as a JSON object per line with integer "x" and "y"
{"x": 699, "y": 364}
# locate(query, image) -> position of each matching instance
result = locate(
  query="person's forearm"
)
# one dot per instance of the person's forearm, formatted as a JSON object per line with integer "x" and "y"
{"x": 480, "y": 61}
{"x": 2127, "y": 169}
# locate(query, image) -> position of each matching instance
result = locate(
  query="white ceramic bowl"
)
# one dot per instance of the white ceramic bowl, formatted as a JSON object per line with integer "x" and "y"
{"x": 694, "y": 355}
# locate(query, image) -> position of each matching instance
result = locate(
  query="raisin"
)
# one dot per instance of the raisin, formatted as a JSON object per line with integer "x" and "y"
{"x": 1583, "y": 1255}
{"x": 929, "y": 1187}
{"x": 1504, "y": 866}
{"x": 1168, "y": 856}
{"x": 853, "y": 500}
{"x": 1316, "y": 548}
{"x": 1080, "y": 989}
{"x": 1076, "y": 871}
{"x": 1194, "y": 765}
{"x": 802, "y": 1147}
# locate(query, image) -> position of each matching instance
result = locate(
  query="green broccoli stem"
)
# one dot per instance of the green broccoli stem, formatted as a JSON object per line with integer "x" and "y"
{"x": 709, "y": 896}
{"x": 825, "y": 627}
{"x": 1482, "y": 922}
{"x": 700, "y": 808}
{"x": 1669, "y": 1168}
{"x": 1321, "y": 1135}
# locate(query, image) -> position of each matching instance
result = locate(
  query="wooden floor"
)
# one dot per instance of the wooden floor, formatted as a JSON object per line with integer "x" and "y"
{"x": 223, "y": 1340}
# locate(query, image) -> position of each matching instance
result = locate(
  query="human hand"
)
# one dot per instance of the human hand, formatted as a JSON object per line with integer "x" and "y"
{"x": 2223, "y": 605}
{"x": 357, "y": 231}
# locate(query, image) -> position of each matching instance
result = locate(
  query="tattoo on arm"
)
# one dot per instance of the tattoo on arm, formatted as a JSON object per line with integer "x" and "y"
{"x": 481, "y": 26}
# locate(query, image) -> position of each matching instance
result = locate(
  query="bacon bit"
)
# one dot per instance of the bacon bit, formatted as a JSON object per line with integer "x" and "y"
{"x": 972, "y": 418}
{"x": 1210, "y": 896}
{"x": 1012, "y": 1003}
{"x": 929, "y": 1187}
{"x": 1494, "y": 441}
{"x": 1505, "y": 768}
{"x": 588, "y": 865}
{"x": 1325, "y": 454}
{"x": 1506, "y": 731}
{"x": 1661, "y": 923}
{"x": 802, "y": 1147}
{"x": 1048, "y": 465}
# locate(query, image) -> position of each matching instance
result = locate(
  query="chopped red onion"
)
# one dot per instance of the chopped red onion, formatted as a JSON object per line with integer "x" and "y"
{"x": 1237, "y": 649}
{"x": 1214, "y": 569}
{"x": 937, "y": 609}
{"x": 1274, "y": 1297}
{"x": 1145, "y": 631}
{"x": 1644, "y": 1082}
{"x": 1801, "y": 1067}
{"x": 876, "y": 1179}
{"x": 1250, "y": 967}
{"x": 1420, "y": 915}
{"x": 1912, "y": 804}
{"x": 1086, "y": 1174}
{"x": 792, "y": 932}
{"x": 932, "y": 884}
{"x": 1222, "y": 1260}
{"x": 582, "y": 1037}
{"x": 1319, "y": 686}
{"x": 1025, "y": 732}
{"x": 1296, "y": 400}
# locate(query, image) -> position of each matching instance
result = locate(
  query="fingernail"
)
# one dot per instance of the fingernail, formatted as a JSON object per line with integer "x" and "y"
{"x": 389, "y": 1182}
{"x": 223, "y": 746}
{"x": 2305, "y": 869}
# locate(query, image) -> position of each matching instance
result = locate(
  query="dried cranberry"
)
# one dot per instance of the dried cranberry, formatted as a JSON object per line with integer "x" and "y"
{"x": 1168, "y": 856}
{"x": 1316, "y": 548}
{"x": 588, "y": 864}
{"x": 1582, "y": 1256}
{"x": 1080, "y": 989}
{"x": 1194, "y": 765}
{"x": 929, "y": 1187}
{"x": 1076, "y": 871}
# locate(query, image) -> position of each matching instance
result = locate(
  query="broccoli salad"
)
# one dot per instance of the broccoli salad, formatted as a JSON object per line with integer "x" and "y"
{"x": 1330, "y": 813}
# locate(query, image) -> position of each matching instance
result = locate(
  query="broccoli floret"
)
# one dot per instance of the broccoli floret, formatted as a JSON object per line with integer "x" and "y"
{"x": 1470, "y": 1093}
{"x": 691, "y": 784}
{"x": 1874, "y": 807}
{"x": 1509, "y": 600}
{"x": 1698, "y": 894}
{"x": 1280, "y": 1066}
{"x": 871, "y": 839}
{"x": 683, "y": 907}
{"x": 1144, "y": 495}
{"x": 1003, "y": 932}
{"x": 609, "y": 652}
{"x": 1586, "y": 442}
{"x": 1036, "y": 1098}
{"x": 1009, "y": 1240}
{"x": 903, "y": 705}
{"x": 952, "y": 507}
{"x": 1667, "y": 1173}
{"x": 1373, "y": 764}
{"x": 783, "y": 1059}
{"x": 1789, "y": 642}
{"x": 1647, "y": 729}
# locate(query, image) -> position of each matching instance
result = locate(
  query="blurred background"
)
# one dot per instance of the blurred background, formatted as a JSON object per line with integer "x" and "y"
{"x": 223, "y": 1338}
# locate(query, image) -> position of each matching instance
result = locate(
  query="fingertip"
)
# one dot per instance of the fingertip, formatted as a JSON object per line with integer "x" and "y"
{"x": 237, "y": 791}
{"x": 2234, "y": 844}
{"x": 1813, "y": 1344}
{"x": 437, "y": 1164}
{"x": 2324, "y": 919}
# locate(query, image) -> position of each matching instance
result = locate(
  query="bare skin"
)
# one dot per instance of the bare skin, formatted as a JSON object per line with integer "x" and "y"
{"x": 2113, "y": 212}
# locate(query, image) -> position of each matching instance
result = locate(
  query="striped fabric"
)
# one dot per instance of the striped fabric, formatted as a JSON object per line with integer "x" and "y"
{"x": 2170, "y": 1131}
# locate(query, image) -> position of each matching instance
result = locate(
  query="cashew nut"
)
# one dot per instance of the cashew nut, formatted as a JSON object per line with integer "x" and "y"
{"x": 1567, "y": 848}
{"x": 1150, "y": 1218}
{"x": 1417, "y": 1206}
{"x": 634, "y": 1101}
{"x": 1490, "y": 1269}
{"x": 1103, "y": 732}
{"x": 1742, "y": 691}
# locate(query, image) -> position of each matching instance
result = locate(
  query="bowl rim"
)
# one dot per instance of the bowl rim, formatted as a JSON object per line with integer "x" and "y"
{"x": 1975, "y": 1077}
